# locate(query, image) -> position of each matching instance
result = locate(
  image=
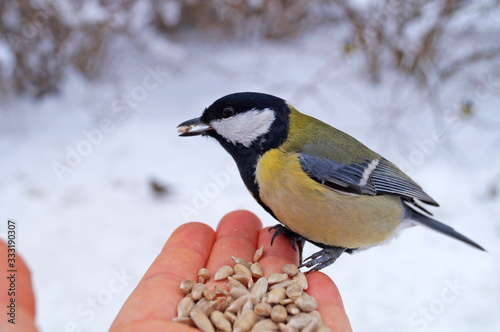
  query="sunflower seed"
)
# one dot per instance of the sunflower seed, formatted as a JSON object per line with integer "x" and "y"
{"x": 253, "y": 298}
{"x": 293, "y": 291}
{"x": 290, "y": 269}
{"x": 276, "y": 295}
{"x": 204, "y": 273}
{"x": 258, "y": 254}
{"x": 279, "y": 313}
{"x": 223, "y": 272}
{"x": 300, "y": 321}
{"x": 283, "y": 284}
{"x": 265, "y": 325}
{"x": 260, "y": 287}
{"x": 285, "y": 328}
{"x": 237, "y": 292}
{"x": 184, "y": 307}
{"x": 241, "y": 261}
{"x": 187, "y": 286}
{"x": 307, "y": 303}
{"x": 223, "y": 305}
{"x": 242, "y": 269}
{"x": 197, "y": 291}
{"x": 276, "y": 278}
{"x": 300, "y": 278}
{"x": 237, "y": 304}
{"x": 184, "y": 320}
{"x": 205, "y": 305}
{"x": 256, "y": 270}
{"x": 263, "y": 309}
{"x": 230, "y": 316}
{"x": 201, "y": 320}
{"x": 244, "y": 279}
{"x": 208, "y": 294}
{"x": 245, "y": 321}
{"x": 317, "y": 315}
{"x": 220, "y": 321}
{"x": 247, "y": 306}
{"x": 234, "y": 283}
{"x": 286, "y": 301}
{"x": 311, "y": 327}
{"x": 250, "y": 283}
{"x": 292, "y": 309}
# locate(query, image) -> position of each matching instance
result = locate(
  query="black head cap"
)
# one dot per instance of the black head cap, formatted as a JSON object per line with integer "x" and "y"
{"x": 242, "y": 102}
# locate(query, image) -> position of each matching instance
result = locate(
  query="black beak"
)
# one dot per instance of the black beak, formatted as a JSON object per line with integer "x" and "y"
{"x": 193, "y": 127}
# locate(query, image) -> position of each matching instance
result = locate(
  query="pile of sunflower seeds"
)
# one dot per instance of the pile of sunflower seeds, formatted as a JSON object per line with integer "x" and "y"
{"x": 254, "y": 302}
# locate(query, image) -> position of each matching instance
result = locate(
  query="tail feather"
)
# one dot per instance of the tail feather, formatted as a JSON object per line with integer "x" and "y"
{"x": 441, "y": 228}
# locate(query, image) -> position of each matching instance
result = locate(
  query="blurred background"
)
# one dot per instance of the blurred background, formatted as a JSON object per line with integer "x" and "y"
{"x": 96, "y": 177}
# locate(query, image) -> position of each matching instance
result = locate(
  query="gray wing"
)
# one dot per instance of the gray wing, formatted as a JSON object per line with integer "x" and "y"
{"x": 369, "y": 177}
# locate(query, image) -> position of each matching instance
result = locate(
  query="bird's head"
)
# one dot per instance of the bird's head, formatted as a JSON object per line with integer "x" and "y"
{"x": 243, "y": 121}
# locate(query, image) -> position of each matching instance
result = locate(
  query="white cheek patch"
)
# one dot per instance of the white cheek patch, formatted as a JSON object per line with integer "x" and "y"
{"x": 245, "y": 128}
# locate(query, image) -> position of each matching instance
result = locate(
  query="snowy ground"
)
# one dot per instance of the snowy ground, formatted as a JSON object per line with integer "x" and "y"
{"x": 97, "y": 223}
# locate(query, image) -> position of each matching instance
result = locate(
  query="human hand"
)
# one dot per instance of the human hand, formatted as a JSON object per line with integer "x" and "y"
{"x": 153, "y": 304}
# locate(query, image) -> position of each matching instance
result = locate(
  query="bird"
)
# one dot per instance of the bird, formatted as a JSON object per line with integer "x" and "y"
{"x": 321, "y": 184}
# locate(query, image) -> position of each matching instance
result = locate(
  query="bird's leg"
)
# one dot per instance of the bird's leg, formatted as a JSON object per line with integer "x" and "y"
{"x": 296, "y": 240}
{"x": 323, "y": 258}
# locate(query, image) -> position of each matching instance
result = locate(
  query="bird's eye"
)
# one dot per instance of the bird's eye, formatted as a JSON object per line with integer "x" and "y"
{"x": 227, "y": 112}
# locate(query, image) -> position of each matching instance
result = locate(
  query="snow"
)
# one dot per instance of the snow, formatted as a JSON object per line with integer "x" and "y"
{"x": 6, "y": 57}
{"x": 89, "y": 232}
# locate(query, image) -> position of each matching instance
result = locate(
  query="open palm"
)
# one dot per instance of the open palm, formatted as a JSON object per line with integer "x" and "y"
{"x": 192, "y": 246}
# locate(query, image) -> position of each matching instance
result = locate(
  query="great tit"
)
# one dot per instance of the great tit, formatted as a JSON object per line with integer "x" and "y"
{"x": 321, "y": 184}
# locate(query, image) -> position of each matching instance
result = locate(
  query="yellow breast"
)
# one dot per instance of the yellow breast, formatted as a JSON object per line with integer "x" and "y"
{"x": 319, "y": 213}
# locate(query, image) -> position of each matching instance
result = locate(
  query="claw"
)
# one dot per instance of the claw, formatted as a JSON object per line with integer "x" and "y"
{"x": 278, "y": 229}
{"x": 322, "y": 258}
{"x": 282, "y": 230}
{"x": 296, "y": 240}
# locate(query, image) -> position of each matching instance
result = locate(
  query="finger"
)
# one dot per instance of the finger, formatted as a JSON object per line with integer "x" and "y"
{"x": 277, "y": 255}
{"x": 157, "y": 294}
{"x": 156, "y": 326}
{"x": 236, "y": 235}
{"x": 330, "y": 304}
{"x": 17, "y": 283}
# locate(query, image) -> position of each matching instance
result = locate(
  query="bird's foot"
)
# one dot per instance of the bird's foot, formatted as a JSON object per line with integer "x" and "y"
{"x": 296, "y": 240}
{"x": 322, "y": 258}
